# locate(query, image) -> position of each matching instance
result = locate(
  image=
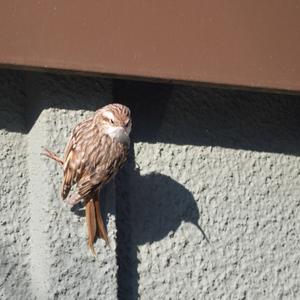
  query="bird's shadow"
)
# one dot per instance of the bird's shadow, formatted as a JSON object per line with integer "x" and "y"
{"x": 150, "y": 207}
{"x": 157, "y": 206}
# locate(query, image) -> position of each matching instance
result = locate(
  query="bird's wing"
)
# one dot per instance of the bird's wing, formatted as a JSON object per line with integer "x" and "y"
{"x": 91, "y": 180}
{"x": 79, "y": 145}
{"x": 105, "y": 161}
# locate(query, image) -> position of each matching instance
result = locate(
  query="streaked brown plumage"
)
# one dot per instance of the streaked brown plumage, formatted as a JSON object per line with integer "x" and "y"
{"x": 97, "y": 149}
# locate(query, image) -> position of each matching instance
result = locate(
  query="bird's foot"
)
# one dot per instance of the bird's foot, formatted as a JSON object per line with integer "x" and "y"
{"x": 52, "y": 155}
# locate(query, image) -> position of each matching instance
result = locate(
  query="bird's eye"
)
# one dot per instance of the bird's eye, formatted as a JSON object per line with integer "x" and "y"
{"x": 111, "y": 121}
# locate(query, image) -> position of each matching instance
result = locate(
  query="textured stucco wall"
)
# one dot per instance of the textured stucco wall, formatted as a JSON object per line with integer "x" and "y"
{"x": 43, "y": 243}
{"x": 219, "y": 163}
{"x": 229, "y": 162}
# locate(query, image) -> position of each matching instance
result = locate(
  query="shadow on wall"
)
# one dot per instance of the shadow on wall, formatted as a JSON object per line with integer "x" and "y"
{"x": 160, "y": 208}
{"x": 149, "y": 208}
{"x": 199, "y": 116}
{"x": 24, "y": 95}
{"x": 213, "y": 117}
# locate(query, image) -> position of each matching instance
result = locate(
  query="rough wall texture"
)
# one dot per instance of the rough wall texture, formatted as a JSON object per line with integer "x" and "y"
{"x": 206, "y": 165}
{"x": 226, "y": 163}
{"x": 14, "y": 212}
{"x": 43, "y": 242}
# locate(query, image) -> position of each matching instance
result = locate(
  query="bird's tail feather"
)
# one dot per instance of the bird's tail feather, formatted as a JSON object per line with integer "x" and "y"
{"x": 102, "y": 233}
{"x": 94, "y": 222}
{"x": 52, "y": 155}
{"x": 91, "y": 223}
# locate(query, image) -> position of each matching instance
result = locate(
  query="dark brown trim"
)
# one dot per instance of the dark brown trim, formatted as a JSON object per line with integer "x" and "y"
{"x": 249, "y": 44}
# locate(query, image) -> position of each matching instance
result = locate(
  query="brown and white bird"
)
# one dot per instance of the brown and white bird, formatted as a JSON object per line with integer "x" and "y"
{"x": 97, "y": 149}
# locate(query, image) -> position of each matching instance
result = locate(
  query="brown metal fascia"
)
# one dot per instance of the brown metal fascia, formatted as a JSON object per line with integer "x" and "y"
{"x": 249, "y": 43}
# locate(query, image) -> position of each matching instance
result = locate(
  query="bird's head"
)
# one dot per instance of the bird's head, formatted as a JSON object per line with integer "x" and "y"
{"x": 115, "y": 121}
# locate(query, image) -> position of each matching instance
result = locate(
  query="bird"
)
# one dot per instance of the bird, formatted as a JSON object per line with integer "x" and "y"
{"x": 97, "y": 148}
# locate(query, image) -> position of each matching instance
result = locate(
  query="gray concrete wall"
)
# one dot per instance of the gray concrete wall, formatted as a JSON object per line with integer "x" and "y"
{"x": 207, "y": 163}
